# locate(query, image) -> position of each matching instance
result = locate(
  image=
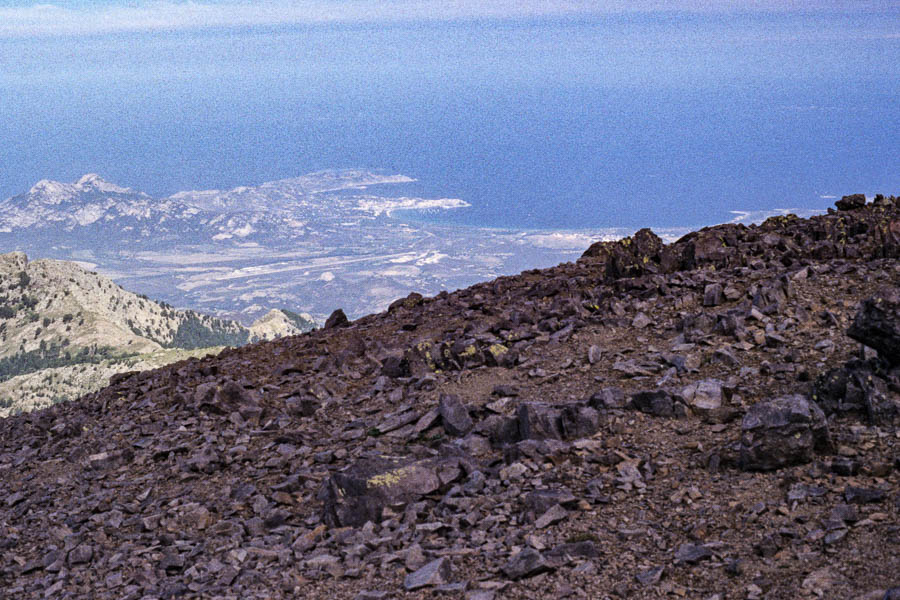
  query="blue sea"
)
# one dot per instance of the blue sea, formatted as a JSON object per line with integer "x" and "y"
{"x": 663, "y": 119}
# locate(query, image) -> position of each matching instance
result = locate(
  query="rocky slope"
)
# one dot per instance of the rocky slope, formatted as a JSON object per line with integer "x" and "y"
{"x": 715, "y": 418}
{"x": 55, "y": 315}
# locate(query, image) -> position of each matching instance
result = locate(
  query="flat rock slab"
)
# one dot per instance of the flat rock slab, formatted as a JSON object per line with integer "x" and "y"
{"x": 435, "y": 573}
{"x": 858, "y": 495}
{"x": 527, "y": 563}
{"x": 692, "y": 554}
{"x": 650, "y": 576}
{"x": 540, "y": 501}
{"x": 554, "y": 514}
{"x": 361, "y": 492}
{"x": 564, "y": 553}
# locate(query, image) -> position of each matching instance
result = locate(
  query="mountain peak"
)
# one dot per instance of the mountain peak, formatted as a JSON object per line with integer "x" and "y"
{"x": 48, "y": 187}
{"x": 94, "y": 181}
{"x": 90, "y": 179}
{"x": 55, "y": 192}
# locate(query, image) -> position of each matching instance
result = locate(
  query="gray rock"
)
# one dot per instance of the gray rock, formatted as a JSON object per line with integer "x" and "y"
{"x": 704, "y": 396}
{"x": 427, "y": 421}
{"x": 451, "y": 589}
{"x": 415, "y": 557}
{"x": 713, "y": 295}
{"x": 692, "y": 554}
{"x": 858, "y": 495}
{"x": 554, "y": 514}
{"x": 527, "y": 563}
{"x": 594, "y": 354}
{"x": 500, "y": 429}
{"x": 539, "y": 421}
{"x": 564, "y": 553}
{"x": 540, "y": 501}
{"x": 641, "y": 321}
{"x": 474, "y": 483}
{"x": 395, "y": 366}
{"x": 611, "y": 397}
{"x": 454, "y": 415}
{"x": 579, "y": 421}
{"x": 435, "y": 573}
{"x": 323, "y": 561}
{"x": 877, "y": 324}
{"x": 505, "y": 391}
{"x": 845, "y": 513}
{"x": 81, "y": 555}
{"x": 724, "y": 356}
{"x": 782, "y": 432}
{"x": 654, "y": 402}
{"x": 834, "y": 537}
{"x": 362, "y": 491}
{"x": 650, "y": 576}
{"x": 856, "y": 388}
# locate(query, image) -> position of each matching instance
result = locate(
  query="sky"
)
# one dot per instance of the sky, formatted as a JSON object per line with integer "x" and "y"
{"x": 91, "y": 17}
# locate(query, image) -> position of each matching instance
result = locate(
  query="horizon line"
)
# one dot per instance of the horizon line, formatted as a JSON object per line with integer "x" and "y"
{"x": 160, "y": 16}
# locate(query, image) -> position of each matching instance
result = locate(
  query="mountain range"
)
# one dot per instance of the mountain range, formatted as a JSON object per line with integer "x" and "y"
{"x": 311, "y": 243}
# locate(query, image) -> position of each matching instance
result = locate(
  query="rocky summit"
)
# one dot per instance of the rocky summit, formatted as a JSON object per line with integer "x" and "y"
{"x": 715, "y": 419}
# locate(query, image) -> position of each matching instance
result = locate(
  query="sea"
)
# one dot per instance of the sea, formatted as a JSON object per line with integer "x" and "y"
{"x": 664, "y": 119}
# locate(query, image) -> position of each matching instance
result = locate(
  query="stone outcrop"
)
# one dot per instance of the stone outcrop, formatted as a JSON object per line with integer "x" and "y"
{"x": 782, "y": 432}
{"x": 877, "y": 324}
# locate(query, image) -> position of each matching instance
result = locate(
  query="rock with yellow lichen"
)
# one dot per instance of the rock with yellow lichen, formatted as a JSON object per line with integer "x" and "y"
{"x": 365, "y": 489}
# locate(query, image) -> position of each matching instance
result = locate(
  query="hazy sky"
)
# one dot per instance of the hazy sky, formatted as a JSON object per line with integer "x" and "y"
{"x": 78, "y": 17}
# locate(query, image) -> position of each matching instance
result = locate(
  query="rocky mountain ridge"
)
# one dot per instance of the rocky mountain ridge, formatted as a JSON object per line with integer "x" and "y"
{"x": 55, "y": 314}
{"x": 713, "y": 418}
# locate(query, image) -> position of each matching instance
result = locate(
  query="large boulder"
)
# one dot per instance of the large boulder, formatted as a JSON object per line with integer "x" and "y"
{"x": 782, "y": 432}
{"x": 454, "y": 415}
{"x": 877, "y": 324}
{"x": 336, "y": 319}
{"x": 541, "y": 421}
{"x": 857, "y": 388}
{"x": 654, "y": 402}
{"x": 851, "y": 202}
{"x": 629, "y": 257}
{"x": 362, "y": 491}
